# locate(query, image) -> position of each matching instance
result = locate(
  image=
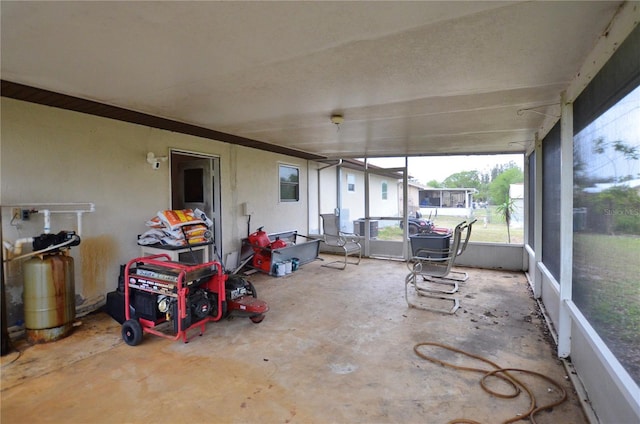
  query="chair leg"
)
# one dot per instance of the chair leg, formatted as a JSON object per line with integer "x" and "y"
{"x": 359, "y": 257}
{"x": 448, "y": 287}
{"x": 343, "y": 262}
{"x": 458, "y": 276}
{"x": 410, "y": 280}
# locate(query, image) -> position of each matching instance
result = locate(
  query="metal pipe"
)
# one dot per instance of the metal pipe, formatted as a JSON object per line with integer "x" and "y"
{"x": 79, "y": 222}
{"x": 47, "y": 220}
{"x": 38, "y": 207}
{"x": 37, "y": 252}
{"x": 330, "y": 165}
{"x": 90, "y": 207}
{"x": 16, "y": 249}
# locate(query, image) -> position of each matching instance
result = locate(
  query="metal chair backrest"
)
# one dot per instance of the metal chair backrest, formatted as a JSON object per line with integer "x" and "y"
{"x": 330, "y": 224}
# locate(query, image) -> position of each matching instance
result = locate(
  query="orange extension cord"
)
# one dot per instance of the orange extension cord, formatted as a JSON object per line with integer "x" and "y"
{"x": 499, "y": 372}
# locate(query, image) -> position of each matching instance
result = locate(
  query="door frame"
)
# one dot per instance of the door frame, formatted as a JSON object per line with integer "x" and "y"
{"x": 369, "y": 243}
{"x": 371, "y": 247}
{"x": 215, "y": 212}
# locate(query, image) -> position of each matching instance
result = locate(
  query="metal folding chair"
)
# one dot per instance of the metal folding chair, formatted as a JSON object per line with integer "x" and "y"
{"x": 433, "y": 267}
{"x": 347, "y": 243}
{"x": 436, "y": 265}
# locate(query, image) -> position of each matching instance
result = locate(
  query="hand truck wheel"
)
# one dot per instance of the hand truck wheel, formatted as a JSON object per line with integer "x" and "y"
{"x": 132, "y": 332}
{"x": 257, "y": 319}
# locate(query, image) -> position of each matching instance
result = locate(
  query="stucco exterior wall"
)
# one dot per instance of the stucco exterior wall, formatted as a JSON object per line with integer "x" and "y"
{"x": 52, "y": 155}
{"x": 352, "y": 203}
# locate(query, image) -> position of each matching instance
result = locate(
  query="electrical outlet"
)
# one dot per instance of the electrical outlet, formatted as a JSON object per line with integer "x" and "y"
{"x": 25, "y": 214}
{"x": 16, "y": 213}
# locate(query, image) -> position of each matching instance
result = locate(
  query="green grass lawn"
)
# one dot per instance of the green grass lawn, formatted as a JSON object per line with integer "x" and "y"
{"x": 493, "y": 230}
{"x": 607, "y": 280}
{"x": 606, "y": 288}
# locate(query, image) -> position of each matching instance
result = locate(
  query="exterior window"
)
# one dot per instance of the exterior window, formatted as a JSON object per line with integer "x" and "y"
{"x": 351, "y": 183}
{"x": 289, "y": 184}
{"x": 384, "y": 190}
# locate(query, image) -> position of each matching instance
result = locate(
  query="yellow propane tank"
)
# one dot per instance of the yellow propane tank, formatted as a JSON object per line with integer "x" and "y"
{"x": 49, "y": 297}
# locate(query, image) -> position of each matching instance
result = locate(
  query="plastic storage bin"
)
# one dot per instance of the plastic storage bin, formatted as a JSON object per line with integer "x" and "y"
{"x": 436, "y": 245}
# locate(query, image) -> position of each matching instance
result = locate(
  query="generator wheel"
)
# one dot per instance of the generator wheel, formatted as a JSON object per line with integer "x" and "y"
{"x": 225, "y": 308}
{"x": 132, "y": 332}
{"x": 257, "y": 319}
{"x": 252, "y": 289}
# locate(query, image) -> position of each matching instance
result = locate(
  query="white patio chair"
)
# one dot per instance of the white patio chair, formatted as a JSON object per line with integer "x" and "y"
{"x": 434, "y": 266}
{"x": 347, "y": 243}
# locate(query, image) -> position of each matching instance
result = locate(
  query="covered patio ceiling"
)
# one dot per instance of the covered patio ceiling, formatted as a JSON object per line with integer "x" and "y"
{"x": 409, "y": 78}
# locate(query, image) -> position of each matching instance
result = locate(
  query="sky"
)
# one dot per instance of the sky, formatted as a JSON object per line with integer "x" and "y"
{"x": 425, "y": 169}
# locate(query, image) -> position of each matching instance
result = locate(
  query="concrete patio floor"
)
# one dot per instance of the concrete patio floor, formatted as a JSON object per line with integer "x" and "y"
{"x": 335, "y": 347}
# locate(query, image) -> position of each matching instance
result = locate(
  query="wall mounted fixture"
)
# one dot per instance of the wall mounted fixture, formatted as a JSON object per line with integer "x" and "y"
{"x": 521, "y": 112}
{"x": 337, "y": 120}
{"x": 155, "y": 161}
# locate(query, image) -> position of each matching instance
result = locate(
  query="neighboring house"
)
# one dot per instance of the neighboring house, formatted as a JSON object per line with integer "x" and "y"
{"x": 600, "y": 187}
{"x": 516, "y": 194}
{"x": 413, "y": 197}
{"x": 349, "y": 178}
{"x": 447, "y": 201}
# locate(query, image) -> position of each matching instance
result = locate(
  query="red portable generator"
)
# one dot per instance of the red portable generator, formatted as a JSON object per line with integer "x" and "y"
{"x": 169, "y": 299}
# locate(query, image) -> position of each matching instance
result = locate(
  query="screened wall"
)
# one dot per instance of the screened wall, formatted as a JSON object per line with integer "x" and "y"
{"x": 588, "y": 270}
{"x": 606, "y": 200}
{"x": 551, "y": 201}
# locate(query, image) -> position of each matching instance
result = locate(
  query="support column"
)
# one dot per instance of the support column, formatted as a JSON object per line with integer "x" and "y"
{"x": 566, "y": 225}
{"x": 537, "y": 275}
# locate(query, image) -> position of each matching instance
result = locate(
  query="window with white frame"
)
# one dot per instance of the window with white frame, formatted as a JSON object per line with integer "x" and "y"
{"x": 384, "y": 190}
{"x": 289, "y": 183}
{"x": 351, "y": 183}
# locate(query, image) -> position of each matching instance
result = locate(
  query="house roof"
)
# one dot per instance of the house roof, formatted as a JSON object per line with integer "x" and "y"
{"x": 409, "y": 78}
{"x": 471, "y": 189}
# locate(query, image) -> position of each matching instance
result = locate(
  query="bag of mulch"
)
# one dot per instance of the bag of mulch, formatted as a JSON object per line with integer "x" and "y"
{"x": 174, "y": 219}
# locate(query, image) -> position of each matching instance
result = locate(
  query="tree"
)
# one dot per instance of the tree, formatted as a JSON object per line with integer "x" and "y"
{"x": 506, "y": 210}
{"x": 464, "y": 179}
{"x": 500, "y": 168}
{"x": 499, "y": 187}
{"x": 434, "y": 184}
{"x": 614, "y": 150}
{"x": 618, "y": 206}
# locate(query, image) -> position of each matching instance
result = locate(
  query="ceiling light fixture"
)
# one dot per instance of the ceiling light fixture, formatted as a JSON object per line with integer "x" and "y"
{"x": 337, "y": 120}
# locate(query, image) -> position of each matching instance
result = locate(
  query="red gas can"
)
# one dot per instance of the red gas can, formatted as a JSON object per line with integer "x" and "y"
{"x": 261, "y": 248}
{"x": 277, "y": 244}
{"x": 259, "y": 240}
